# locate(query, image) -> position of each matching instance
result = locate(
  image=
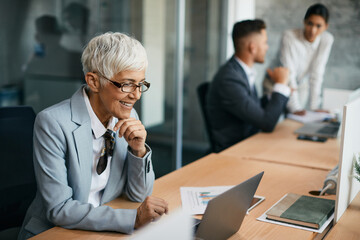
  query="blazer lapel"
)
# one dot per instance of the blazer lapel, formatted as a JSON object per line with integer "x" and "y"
{"x": 243, "y": 77}
{"x": 83, "y": 142}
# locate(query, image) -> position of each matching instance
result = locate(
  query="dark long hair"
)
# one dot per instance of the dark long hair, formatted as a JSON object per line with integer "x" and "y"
{"x": 318, "y": 9}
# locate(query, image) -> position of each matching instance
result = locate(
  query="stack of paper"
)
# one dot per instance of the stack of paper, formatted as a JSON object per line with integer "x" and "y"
{"x": 195, "y": 199}
{"x": 310, "y": 116}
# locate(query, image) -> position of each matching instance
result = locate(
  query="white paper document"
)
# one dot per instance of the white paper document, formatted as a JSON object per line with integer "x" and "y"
{"x": 310, "y": 116}
{"x": 320, "y": 230}
{"x": 195, "y": 199}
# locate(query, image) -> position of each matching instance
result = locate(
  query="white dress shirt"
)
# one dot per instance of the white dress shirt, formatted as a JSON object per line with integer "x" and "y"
{"x": 98, "y": 182}
{"x": 249, "y": 71}
{"x": 306, "y": 62}
{"x": 251, "y": 75}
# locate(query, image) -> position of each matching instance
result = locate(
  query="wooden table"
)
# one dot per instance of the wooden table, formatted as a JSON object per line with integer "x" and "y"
{"x": 213, "y": 170}
{"x": 281, "y": 146}
{"x": 348, "y": 226}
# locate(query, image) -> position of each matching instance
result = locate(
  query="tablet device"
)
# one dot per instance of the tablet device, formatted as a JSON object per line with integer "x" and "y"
{"x": 255, "y": 201}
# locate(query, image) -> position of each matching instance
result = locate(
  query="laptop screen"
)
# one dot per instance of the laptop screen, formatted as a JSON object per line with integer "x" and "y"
{"x": 225, "y": 213}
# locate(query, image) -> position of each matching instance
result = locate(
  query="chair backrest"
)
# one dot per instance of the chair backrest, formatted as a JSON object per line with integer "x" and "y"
{"x": 202, "y": 90}
{"x": 17, "y": 178}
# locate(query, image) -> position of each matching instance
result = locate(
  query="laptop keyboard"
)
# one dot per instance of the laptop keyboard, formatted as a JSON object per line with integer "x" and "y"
{"x": 328, "y": 130}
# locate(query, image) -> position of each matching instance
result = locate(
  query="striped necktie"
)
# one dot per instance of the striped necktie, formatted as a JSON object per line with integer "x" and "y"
{"x": 107, "y": 151}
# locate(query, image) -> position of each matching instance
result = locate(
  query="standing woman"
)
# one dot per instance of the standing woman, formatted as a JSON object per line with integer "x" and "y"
{"x": 305, "y": 53}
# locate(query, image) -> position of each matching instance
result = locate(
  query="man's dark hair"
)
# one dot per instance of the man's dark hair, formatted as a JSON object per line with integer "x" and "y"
{"x": 47, "y": 24}
{"x": 318, "y": 9}
{"x": 245, "y": 28}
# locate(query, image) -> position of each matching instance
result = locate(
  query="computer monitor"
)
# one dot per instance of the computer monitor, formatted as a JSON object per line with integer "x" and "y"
{"x": 335, "y": 99}
{"x": 348, "y": 186}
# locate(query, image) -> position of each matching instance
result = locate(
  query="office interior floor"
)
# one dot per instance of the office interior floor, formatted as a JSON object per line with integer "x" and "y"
{"x": 163, "y": 154}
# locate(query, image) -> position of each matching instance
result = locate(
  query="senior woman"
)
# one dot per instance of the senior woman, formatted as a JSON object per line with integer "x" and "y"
{"x": 91, "y": 148}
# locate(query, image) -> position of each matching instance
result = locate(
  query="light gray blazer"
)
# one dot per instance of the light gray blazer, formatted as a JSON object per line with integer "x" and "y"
{"x": 62, "y": 160}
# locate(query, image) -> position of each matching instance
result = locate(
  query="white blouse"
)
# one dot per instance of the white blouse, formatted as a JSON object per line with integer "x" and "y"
{"x": 306, "y": 62}
{"x": 98, "y": 182}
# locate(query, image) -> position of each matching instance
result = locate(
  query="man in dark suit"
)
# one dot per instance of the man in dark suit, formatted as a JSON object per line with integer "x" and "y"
{"x": 235, "y": 112}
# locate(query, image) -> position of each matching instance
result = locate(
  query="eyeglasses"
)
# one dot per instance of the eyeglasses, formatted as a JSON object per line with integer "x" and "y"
{"x": 129, "y": 87}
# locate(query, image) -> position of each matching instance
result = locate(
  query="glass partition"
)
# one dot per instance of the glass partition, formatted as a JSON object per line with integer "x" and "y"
{"x": 40, "y": 60}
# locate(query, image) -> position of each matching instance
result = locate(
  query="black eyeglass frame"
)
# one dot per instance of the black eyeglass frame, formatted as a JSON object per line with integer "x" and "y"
{"x": 133, "y": 85}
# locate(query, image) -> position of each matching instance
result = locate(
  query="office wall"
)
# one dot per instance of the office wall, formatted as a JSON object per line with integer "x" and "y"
{"x": 343, "y": 68}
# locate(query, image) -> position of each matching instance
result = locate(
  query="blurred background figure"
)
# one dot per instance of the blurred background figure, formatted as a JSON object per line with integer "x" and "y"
{"x": 305, "y": 52}
{"x": 49, "y": 57}
{"x": 75, "y": 19}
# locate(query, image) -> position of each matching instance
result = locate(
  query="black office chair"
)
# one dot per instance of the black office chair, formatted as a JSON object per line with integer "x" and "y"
{"x": 202, "y": 90}
{"x": 17, "y": 178}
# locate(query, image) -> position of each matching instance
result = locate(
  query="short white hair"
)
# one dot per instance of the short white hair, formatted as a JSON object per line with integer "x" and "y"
{"x": 111, "y": 53}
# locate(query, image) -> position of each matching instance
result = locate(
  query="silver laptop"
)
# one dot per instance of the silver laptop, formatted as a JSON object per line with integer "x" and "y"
{"x": 224, "y": 214}
{"x": 319, "y": 129}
